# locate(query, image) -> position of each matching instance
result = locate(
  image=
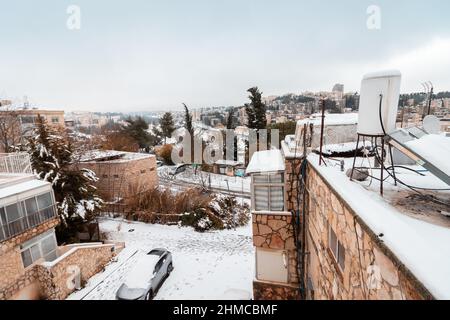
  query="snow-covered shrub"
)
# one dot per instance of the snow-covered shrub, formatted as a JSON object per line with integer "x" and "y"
{"x": 201, "y": 220}
{"x": 194, "y": 208}
{"x": 229, "y": 211}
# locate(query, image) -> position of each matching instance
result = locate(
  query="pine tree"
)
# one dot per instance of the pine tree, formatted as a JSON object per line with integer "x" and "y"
{"x": 52, "y": 160}
{"x": 167, "y": 125}
{"x": 230, "y": 120}
{"x": 256, "y": 110}
{"x": 138, "y": 130}
{"x": 188, "y": 120}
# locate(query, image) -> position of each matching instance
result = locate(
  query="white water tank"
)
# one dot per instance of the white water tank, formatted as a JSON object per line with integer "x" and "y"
{"x": 387, "y": 84}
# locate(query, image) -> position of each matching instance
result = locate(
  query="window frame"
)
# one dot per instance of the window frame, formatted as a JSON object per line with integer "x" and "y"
{"x": 38, "y": 240}
{"x": 269, "y": 185}
{"x": 336, "y": 252}
{"x": 24, "y": 218}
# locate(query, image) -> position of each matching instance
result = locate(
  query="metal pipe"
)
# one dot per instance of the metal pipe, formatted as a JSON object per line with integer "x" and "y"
{"x": 321, "y": 131}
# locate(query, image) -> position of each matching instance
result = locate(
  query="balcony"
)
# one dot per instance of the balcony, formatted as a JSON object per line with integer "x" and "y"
{"x": 28, "y": 222}
{"x": 15, "y": 163}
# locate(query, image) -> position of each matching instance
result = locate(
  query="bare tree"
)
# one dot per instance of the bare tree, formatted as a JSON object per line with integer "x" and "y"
{"x": 10, "y": 128}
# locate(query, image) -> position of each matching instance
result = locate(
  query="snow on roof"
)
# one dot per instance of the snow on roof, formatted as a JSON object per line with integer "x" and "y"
{"x": 421, "y": 246}
{"x": 331, "y": 119}
{"x": 21, "y": 187}
{"x": 382, "y": 74}
{"x": 266, "y": 161}
{"x": 433, "y": 148}
{"x": 112, "y": 156}
{"x": 142, "y": 273}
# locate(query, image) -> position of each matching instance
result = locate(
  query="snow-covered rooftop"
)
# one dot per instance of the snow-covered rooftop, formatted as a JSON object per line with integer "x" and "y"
{"x": 331, "y": 119}
{"x": 22, "y": 185}
{"x": 112, "y": 156}
{"x": 266, "y": 161}
{"x": 414, "y": 237}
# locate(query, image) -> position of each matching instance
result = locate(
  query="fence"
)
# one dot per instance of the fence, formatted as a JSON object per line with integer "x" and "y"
{"x": 15, "y": 163}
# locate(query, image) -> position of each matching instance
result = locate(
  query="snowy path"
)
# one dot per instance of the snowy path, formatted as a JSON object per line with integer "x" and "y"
{"x": 214, "y": 265}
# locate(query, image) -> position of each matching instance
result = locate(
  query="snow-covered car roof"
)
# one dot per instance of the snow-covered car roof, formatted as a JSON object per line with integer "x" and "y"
{"x": 142, "y": 273}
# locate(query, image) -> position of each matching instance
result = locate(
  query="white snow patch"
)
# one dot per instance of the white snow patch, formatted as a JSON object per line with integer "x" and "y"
{"x": 266, "y": 161}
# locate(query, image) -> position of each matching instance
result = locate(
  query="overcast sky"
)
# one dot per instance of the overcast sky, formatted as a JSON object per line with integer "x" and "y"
{"x": 139, "y": 55}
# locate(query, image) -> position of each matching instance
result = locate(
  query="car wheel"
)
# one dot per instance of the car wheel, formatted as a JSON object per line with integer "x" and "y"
{"x": 169, "y": 268}
{"x": 149, "y": 295}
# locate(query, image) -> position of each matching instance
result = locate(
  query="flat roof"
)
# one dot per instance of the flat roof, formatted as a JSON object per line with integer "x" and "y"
{"x": 331, "y": 119}
{"x": 111, "y": 156}
{"x": 416, "y": 230}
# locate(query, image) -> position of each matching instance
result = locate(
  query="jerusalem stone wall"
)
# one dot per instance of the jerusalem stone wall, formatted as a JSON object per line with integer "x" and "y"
{"x": 124, "y": 179}
{"x": 55, "y": 281}
{"x": 269, "y": 291}
{"x": 371, "y": 271}
{"x": 276, "y": 232}
{"x": 13, "y": 276}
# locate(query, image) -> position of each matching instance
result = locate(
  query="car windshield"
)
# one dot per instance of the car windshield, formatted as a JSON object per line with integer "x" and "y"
{"x": 142, "y": 273}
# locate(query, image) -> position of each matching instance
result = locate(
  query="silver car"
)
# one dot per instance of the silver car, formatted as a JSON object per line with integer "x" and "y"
{"x": 147, "y": 276}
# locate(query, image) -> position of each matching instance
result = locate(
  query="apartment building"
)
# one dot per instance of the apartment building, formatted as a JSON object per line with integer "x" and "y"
{"x": 19, "y": 124}
{"x": 32, "y": 264}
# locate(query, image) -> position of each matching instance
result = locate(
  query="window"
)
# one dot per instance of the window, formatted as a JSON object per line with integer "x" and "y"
{"x": 43, "y": 246}
{"x": 143, "y": 171}
{"x": 31, "y": 206}
{"x": 336, "y": 248}
{"x": 55, "y": 119}
{"x": 13, "y": 213}
{"x": 268, "y": 192}
{"x": 27, "y": 119}
{"x": 18, "y": 217}
{"x": 44, "y": 201}
{"x": 105, "y": 176}
{"x": 3, "y": 228}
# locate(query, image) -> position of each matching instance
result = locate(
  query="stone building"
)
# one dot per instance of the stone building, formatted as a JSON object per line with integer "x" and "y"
{"x": 349, "y": 242}
{"x": 121, "y": 175}
{"x": 32, "y": 265}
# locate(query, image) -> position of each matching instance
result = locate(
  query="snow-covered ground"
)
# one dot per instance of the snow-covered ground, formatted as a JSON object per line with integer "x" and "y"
{"x": 216, "y": 181}
{"x": 212, "y": 265}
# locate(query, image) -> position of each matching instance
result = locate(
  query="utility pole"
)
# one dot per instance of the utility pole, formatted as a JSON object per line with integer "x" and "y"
{"x": 430, "y": 98}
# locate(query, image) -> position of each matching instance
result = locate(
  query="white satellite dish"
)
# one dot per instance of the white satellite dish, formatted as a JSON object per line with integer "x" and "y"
{"x": 432, "y": 125}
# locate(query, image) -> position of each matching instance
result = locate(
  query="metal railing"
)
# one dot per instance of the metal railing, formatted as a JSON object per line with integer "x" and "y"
{"x": 30, "y": 221}
{"x": 15, "y": 163}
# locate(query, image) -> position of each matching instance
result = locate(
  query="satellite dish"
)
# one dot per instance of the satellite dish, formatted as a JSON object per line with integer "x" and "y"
{"x": 432, "y": 125}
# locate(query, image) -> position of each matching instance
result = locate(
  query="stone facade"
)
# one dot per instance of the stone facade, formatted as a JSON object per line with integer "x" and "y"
{"x": 368, "y": 269}
{"x": 269, "y": 291}
{"x": 122, "y": 179}
{"x": 40, "y": 281}
{"x": 11, "y": 266}
{"x": 276, "y": 232}
{"x": 56, "y": 280}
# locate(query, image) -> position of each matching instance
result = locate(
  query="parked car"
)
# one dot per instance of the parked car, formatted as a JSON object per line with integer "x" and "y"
{"x": 178, "y": 169}
{"x": 147, "y": 276}
{"x": 159, "y": 163}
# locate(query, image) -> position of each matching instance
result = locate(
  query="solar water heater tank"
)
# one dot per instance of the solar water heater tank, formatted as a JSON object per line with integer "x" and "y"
{"x": 387, "y": 84}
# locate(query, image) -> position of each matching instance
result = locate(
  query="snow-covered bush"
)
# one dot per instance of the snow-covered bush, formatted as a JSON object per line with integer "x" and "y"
{"x": 194, "y": 207}
{"x": 229, "y": 211}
